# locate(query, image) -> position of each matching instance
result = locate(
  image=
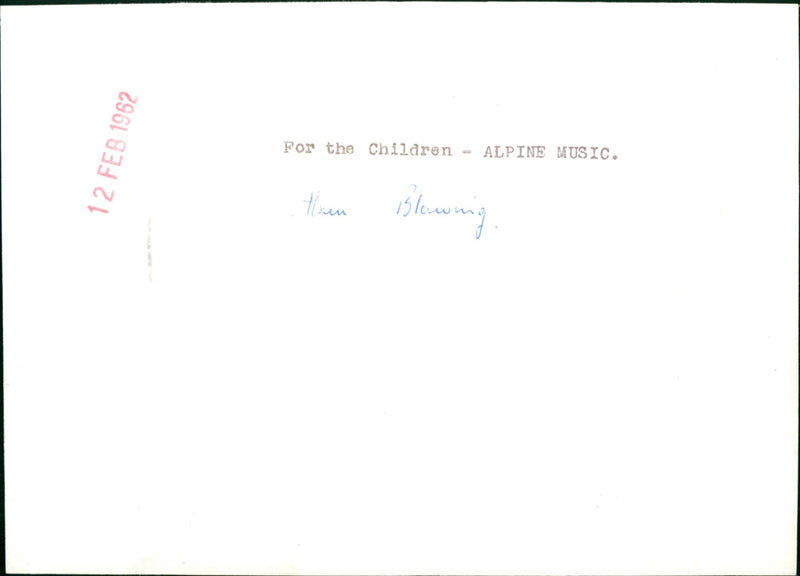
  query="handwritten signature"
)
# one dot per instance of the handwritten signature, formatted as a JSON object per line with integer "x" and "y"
{"x": 312, "y": 210}
{"x": 413, "y": 205}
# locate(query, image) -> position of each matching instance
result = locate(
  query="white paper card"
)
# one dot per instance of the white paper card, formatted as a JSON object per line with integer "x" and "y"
{"x": 391, "y": 288}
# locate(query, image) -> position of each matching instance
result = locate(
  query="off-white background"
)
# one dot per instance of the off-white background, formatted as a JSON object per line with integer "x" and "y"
{"x": 604, "y": 383}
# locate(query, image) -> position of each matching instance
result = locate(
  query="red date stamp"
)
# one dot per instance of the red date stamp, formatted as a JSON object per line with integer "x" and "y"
{"x": 111, "y": 158}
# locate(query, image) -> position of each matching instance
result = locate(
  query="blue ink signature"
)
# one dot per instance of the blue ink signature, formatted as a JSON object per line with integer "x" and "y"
{"x": 413, "y": 205}
{"x": 312, "y": 210}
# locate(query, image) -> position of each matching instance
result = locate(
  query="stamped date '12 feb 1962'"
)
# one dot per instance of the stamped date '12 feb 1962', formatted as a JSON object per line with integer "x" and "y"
{"x": 114, "y": 149}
